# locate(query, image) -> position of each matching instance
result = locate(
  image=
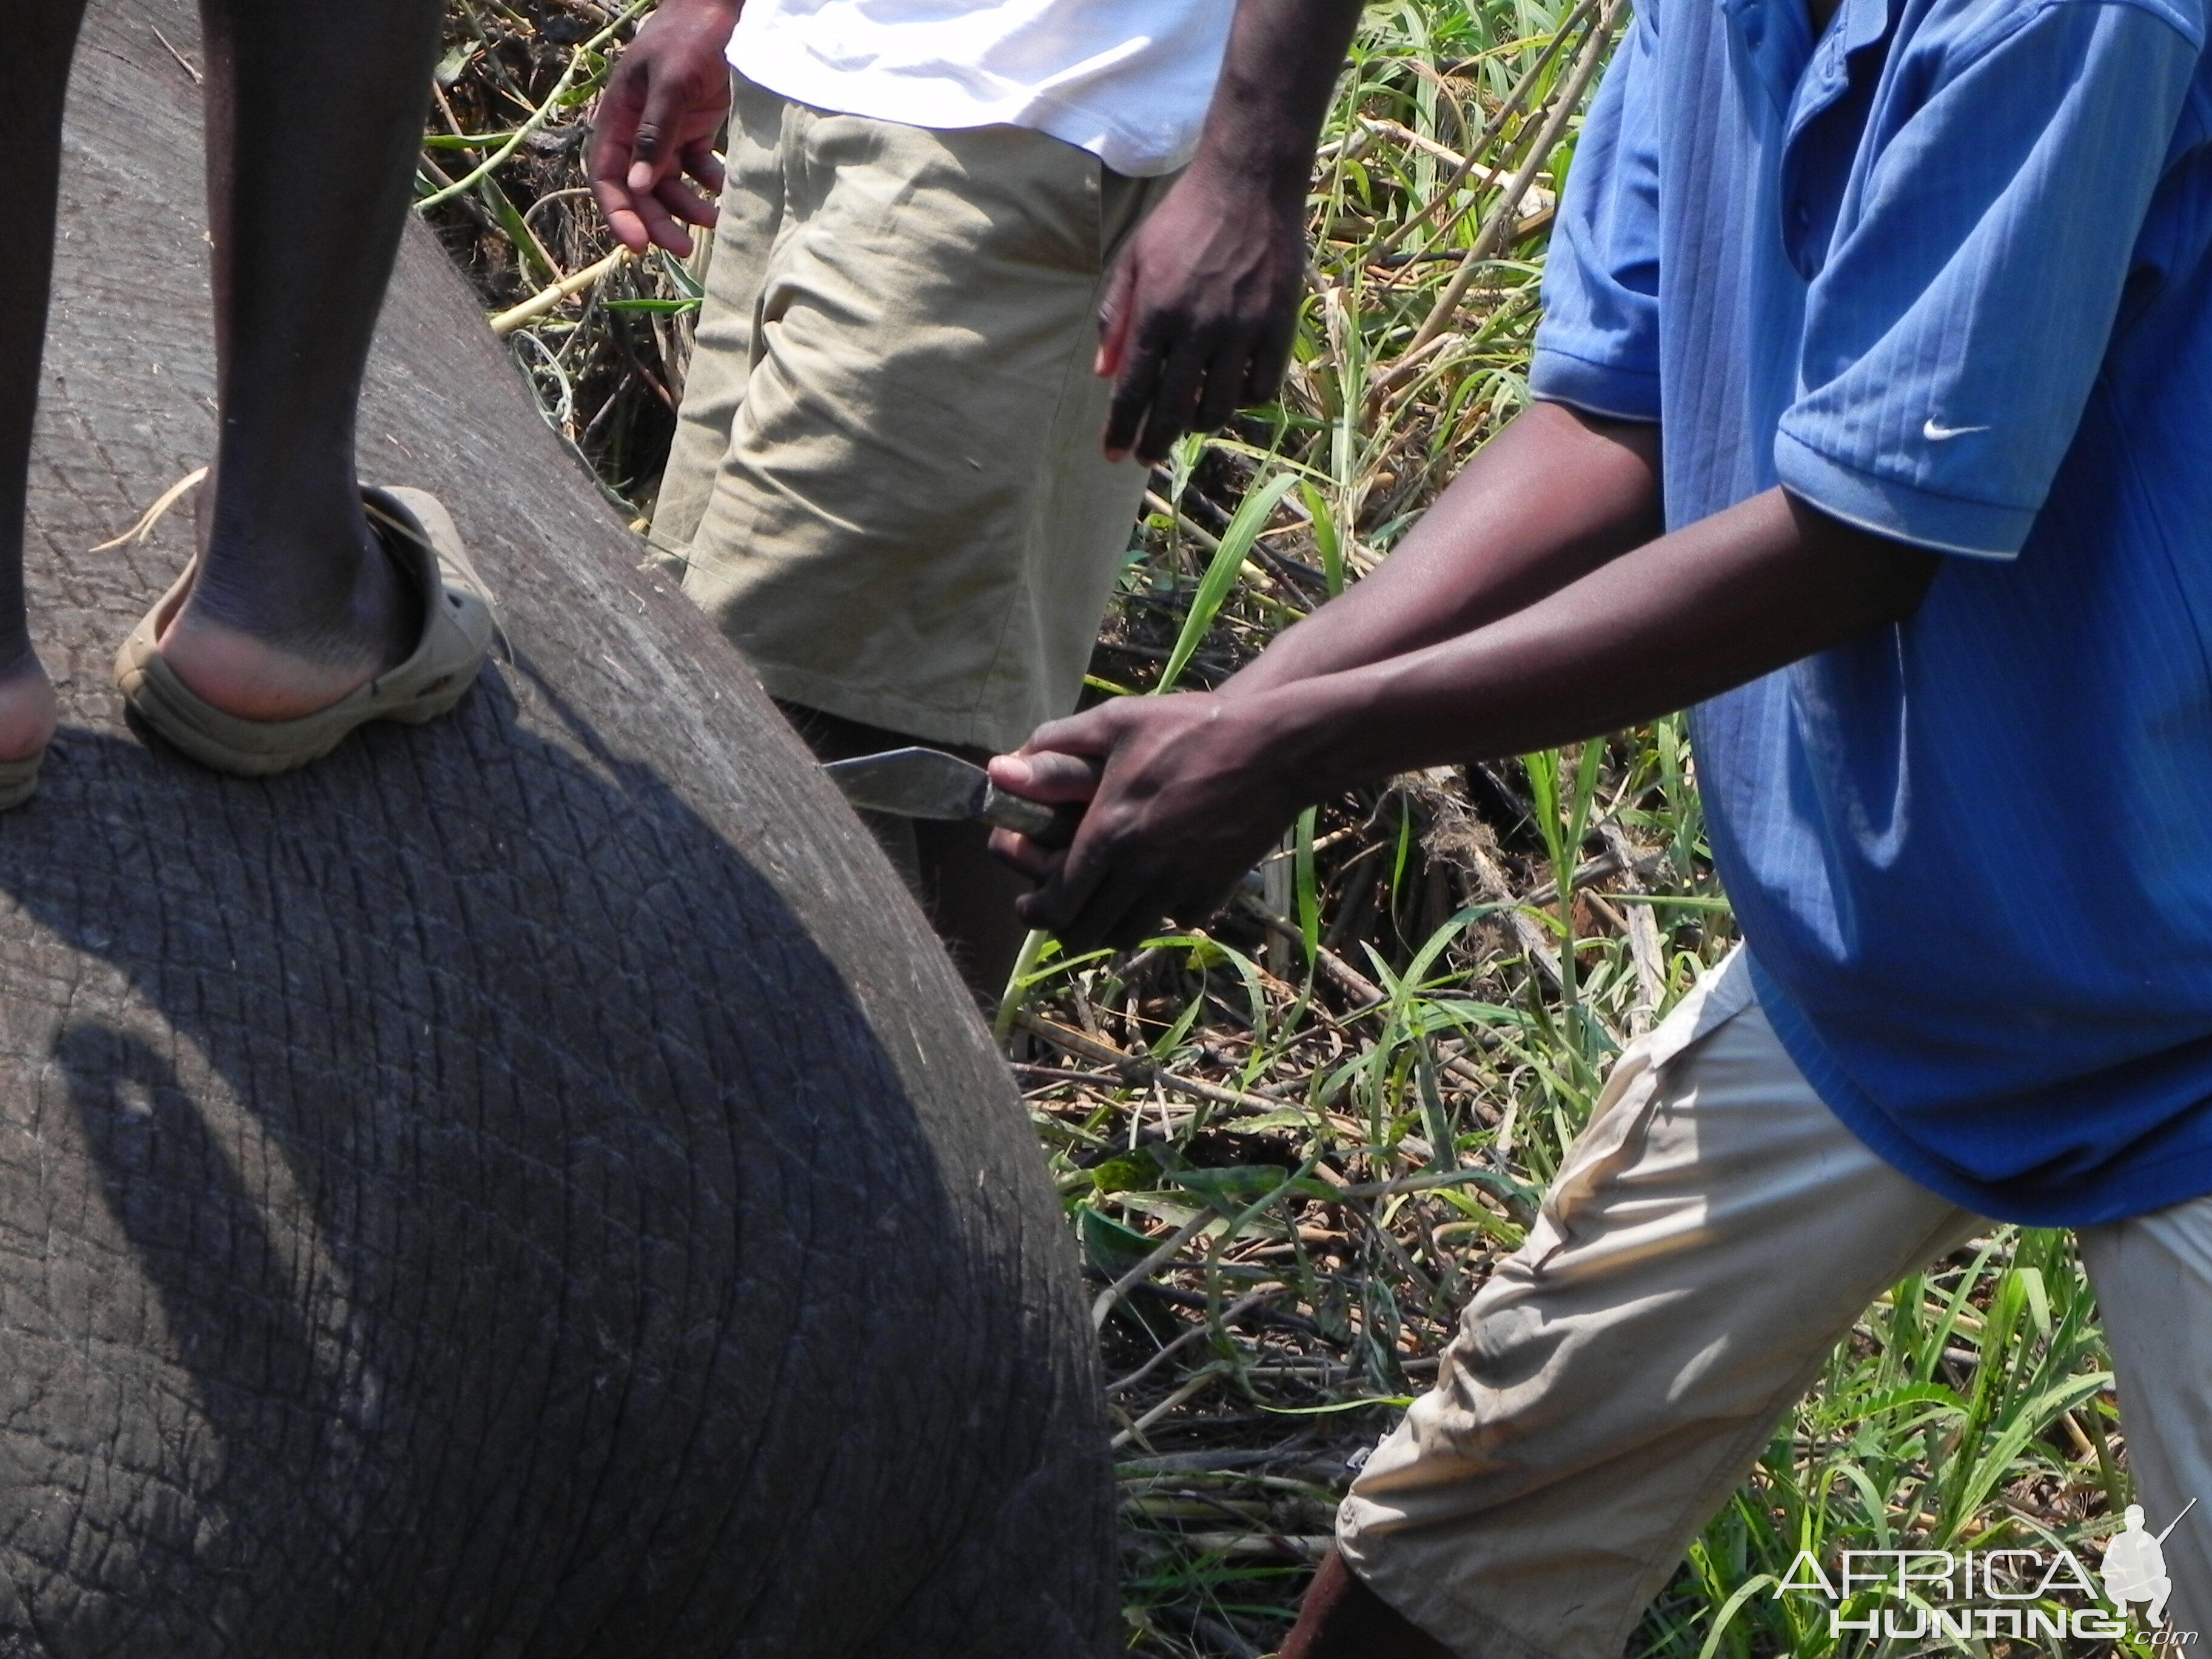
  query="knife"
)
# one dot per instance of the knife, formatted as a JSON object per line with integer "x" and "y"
{"x": 928, "y": 783}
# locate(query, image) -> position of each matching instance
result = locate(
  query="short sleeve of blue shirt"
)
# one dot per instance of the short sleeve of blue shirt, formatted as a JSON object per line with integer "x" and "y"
{"x": 1598, "y": 348}
{"x": 1955, "y": 328}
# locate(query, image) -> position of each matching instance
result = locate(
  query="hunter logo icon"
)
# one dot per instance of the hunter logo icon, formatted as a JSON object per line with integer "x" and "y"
{"x": 1968, "y": 1597}
{"x": 2134, "y": 1566}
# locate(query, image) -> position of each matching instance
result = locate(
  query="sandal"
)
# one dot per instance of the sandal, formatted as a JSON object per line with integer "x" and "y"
{"x": 458, "y": 627}
{"x": 19, "y": 780}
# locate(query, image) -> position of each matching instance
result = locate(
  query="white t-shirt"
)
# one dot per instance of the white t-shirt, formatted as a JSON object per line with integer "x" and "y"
{"x": 1128, "y": 80}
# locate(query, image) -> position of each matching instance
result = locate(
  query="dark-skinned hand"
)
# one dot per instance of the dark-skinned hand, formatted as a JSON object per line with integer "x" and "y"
{"x": 656, "y": 124}
{"x": 1199, "y": 314}
{"x": 1183, "y": 799}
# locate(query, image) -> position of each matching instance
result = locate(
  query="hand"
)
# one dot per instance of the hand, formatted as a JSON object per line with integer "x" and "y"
{"x": 656, "y": 124}
{"x": 1199, "y": 315}
{"x": 1184, "y": 797}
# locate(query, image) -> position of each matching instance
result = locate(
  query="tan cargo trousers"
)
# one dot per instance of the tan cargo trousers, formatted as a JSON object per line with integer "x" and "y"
{"x": 1714, "y": 1233}
{"x": 886, "y": 486}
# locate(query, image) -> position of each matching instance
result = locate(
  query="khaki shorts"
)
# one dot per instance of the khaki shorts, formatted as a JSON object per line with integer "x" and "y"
{"x": 886, "y": 485}
{"x": 1712, "y": 1236}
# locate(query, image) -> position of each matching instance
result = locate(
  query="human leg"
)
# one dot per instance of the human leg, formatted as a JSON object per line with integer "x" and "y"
{"x": 315, "y": 114}
{"x": 41, "y": 43}
{"x": 886, "y": 487}
{"x": 967, "y": 894}
{"x": 1712, "y": 1235}
{"x": 2152, "y": 1276}
{"x": 1340, "y": 1617}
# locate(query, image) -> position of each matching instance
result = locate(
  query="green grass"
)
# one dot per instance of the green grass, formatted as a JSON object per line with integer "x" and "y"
{"x": 1290, "y": 1144}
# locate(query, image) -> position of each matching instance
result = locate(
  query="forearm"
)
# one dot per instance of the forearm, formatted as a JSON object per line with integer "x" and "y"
{"x": 1277, "y": 77}
{"x": 668, "y": 13}
{"x": 713, "y": 19}
{"x": 1676, "y": 621}
{"x": 1550, "y": 499}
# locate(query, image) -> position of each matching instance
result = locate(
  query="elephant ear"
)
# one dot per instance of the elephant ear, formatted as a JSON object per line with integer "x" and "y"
{"x": 528, "y": 1183}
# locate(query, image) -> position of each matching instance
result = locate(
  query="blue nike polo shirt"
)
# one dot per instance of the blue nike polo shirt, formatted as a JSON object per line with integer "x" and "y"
{"x": 1945, "y": 272}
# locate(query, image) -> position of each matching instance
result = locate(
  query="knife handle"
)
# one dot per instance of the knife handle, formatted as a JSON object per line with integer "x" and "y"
{"x": 1024, "y": 817}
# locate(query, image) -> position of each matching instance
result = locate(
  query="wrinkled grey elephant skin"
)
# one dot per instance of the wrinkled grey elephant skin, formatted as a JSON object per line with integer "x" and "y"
{"x": 527, "y": 1186}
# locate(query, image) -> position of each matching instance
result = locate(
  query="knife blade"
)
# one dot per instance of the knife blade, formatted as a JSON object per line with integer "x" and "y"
{"x": 928, "y": 783}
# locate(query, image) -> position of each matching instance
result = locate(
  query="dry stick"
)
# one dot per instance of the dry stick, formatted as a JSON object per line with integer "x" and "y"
{"x": 1421, "y": 141}
{"x": 1197, "y": 1385}
{"x": 154, "y": 514}
{"x": 1309, "y": 1547}
{"x": 1355, "y": 905}
{"x": 1251, "y": 570}
{"x": 1435, "y": 1180}
{"x": 1257, "y": 1523}
{"x": 1403, "y": 365}
{"x": 1135, "y": 1070}
{"x": 1526, "y": 932}
{"x": 1503, "y": 215}
{"x": 1333, "y": 968}
{"x": 1491, "y": 128}
{"x": 1621, "y": 854}
{"x": 1642, "y": 927}
{"x": 1254, "y": 571}
{"x": 2084, "y": 1451}
{"x": 1178, "y": 1297}
{"x": 1132, "y": 1069}
{"x": 1178, "y": 1505}
{"x": 1490, "y": 878}
{"x": 1495, "y": 176}
{"x": 183, "y": 62}
{"x": 1061, "y": 1078}
{"x": 1401, "y": 376}
{"x": 1129, "y": 1281}
{"x": 1189, "y": 527}
{"x": 653, "y": 382}
{"x": 468, "y": 204}
{"x": 567, "y": 287}
{"x": 1219, "y": 1461}
{"x": 1235, "y": 1311}
{"x": 1646, "y": 951}
{"x": 1603, "y": 909}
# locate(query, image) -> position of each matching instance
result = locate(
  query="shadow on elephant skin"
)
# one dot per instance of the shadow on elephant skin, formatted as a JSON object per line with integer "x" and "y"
{"x": 482, "y": 1222}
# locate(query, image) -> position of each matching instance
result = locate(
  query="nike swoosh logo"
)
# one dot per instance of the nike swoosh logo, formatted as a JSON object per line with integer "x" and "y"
{"x": 1936, "y": 435}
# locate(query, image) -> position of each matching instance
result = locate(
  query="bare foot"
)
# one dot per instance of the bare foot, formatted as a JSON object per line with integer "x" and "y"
{"x": 257, "y": 676}
{"x": 27, "y": 711}
{"x": 247, "y": 676}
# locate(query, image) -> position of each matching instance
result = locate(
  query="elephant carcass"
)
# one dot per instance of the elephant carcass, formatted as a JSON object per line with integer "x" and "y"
{"x": 529, "y": 1185}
